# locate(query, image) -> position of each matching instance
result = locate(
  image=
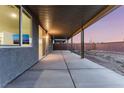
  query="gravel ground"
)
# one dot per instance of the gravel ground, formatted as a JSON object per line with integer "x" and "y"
{"x": 111, "y": 60}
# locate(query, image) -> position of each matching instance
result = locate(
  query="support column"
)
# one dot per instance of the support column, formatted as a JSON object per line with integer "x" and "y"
{"x": 71, "y": 44}
{"x": 82, "y": 43}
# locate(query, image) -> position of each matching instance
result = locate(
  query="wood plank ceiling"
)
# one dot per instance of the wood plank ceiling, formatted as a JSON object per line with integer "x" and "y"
{"x": 61, "y": 21}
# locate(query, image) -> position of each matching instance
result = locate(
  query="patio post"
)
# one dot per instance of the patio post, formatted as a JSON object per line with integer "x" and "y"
{"x": 82, "y": 43}
{"x": 71, "y": 44}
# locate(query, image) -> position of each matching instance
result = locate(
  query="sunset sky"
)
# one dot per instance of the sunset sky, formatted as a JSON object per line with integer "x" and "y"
{"x": 109, "y": 29}
{"x": 77, "y": 38}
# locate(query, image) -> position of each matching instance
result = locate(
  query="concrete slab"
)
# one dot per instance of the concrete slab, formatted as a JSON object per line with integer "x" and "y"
{"x": 75, "y": 62}
{"x": 54, "y": 57}
{"x": 82, "y": 63}
{"x": 50, "y": 65}
{"x": 43, "y": 79}
{"x": 71, "y": 56}
{"x": 52, "y": 61}
{"x": 97, "y": 78}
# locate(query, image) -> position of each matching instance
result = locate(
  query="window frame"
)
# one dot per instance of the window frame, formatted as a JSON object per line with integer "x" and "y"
{"x": 23, "y": 10}
{"x": 21, "y": 45}
{"x": 17, "y": 45}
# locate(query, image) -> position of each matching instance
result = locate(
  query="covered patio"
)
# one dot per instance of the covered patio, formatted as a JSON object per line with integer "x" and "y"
{"x": 64, "y": 69}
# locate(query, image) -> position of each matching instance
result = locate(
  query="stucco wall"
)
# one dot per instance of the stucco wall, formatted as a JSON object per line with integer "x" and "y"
{"x": 14, "y": 61}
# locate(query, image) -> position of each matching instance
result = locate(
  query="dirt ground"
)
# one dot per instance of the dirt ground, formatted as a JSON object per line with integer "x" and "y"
{"x": 111, "y": 60}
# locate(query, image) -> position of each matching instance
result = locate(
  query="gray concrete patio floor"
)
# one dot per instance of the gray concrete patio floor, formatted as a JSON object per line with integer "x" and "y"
{"x": 63, "y": 69}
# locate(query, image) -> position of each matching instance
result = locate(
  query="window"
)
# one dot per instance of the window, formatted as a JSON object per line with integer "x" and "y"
{"x": 9, "y": 25}
{"x": 26, "y": 29}
{"x": 41, "y": 48}
{"x": 15, "y": 26}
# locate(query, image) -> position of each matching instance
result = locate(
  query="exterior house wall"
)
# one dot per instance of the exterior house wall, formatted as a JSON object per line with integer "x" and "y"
{"x": 14, "y": 61}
